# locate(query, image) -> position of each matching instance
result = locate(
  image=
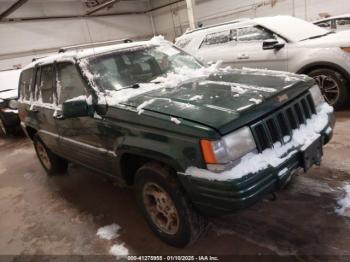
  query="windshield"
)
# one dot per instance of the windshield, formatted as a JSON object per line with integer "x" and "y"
{"x": 289, "y": 27}
{"x": 115, "y": 71}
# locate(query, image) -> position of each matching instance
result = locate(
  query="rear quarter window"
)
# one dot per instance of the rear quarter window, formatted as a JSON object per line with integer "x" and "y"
{"x": 25, "y": 84}
{"x": 182, "y": 43}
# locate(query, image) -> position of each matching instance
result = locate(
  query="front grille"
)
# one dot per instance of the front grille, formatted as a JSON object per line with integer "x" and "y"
{"x": 276, "y": 126}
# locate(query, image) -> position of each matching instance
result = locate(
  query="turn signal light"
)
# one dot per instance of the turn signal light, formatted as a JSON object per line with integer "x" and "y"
{"x": 346, "y": 49}
{"x": 208, "y": 152}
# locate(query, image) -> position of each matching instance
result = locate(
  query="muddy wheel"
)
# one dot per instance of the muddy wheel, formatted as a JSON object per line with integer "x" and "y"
{"x": 333, "y": 86}
{"x": 165, "y": 206}
{"x": 52, "y": 163}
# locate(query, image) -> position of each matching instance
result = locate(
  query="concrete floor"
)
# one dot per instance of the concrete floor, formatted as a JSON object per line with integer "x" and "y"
{"x": 60, "y": 215}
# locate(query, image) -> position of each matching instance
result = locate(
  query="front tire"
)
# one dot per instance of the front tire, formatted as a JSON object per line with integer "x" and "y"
{"x": 165, "y": 206}
{"x": 52, "y": 163}
{"x": 333, "y": 86}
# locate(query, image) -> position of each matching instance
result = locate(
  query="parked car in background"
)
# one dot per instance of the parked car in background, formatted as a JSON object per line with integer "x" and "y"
{"x": 335, "y": 23}
{"x": 9, "y": 121}
{"x": 191, "y": 140}
{"x": 279, "y": 43}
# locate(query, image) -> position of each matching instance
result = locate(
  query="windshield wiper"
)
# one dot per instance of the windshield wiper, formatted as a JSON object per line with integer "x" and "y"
{"x": 318, "y": 36}
{"x": 132, "y": 86}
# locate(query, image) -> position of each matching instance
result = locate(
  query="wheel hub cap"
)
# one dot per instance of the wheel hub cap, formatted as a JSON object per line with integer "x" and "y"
{"x": 161, "y": 208}
{"x": 329, "y": 88}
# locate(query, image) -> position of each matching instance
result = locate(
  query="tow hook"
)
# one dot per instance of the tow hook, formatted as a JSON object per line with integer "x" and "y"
{"x": 273, "y": 197}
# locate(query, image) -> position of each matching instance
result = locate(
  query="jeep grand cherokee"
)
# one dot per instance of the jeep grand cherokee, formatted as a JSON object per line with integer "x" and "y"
{"x": 191, "y": 140}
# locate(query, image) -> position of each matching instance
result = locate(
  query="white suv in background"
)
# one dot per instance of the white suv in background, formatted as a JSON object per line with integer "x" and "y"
{"x": 281, "y": 43}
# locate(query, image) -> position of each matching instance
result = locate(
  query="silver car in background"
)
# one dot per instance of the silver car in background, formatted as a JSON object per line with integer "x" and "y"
{"x": 280, "y": 43}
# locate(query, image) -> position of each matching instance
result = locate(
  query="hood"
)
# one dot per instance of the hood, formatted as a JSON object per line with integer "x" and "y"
{"x": 223, "y": 101}
{"x": 9, "y": 84}
{"x": 338, "y": 39}
{"x": 8, "y": 94}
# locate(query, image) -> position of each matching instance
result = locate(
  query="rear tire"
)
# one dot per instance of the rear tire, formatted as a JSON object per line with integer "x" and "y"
{"x": 165, "y": 206}
{"x": 52, "y": 163}
{"x": 333, "y": 86}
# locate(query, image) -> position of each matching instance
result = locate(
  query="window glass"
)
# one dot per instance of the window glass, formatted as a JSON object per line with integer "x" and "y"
{"x": 324, "y": 24}
{"x": 343, "y": 22}
{"x": 122, "y": 69}
{"x": 254, "y": 34}
{"x": 182, "y": 43}
{"x": 36, "y": 92}
{"x": 46, "y": 84}
{"x": 69, "y": 82}
{"x": 25, "y": 84}
{"x": 218, "y": 38}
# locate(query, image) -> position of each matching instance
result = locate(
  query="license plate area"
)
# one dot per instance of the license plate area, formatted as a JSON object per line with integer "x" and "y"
{"x": 312, "y": 154}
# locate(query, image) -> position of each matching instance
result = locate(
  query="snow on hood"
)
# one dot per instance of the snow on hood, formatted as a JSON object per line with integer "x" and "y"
{"x": 254, "y": 162}
{"x": 287, "y": 26}
{"x": 9, "y": 79}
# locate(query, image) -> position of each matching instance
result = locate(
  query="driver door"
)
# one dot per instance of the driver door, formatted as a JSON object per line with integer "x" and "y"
{"x": 81, "y": 139}
{"x": 248, "y": 50}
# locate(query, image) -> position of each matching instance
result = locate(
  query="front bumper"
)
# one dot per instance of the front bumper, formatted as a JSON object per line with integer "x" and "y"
{"x": 214, "y": 197}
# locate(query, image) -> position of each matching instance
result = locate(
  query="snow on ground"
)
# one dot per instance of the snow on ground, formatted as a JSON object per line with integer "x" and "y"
{"x": 109, "y": 232}
{"x": 119, "y": 250}
{"x": 344, "y": 203}
{"x": 253, "y": 162}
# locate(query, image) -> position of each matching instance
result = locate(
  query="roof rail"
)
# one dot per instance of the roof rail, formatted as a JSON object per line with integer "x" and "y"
{"x": 215, "y": 25}
{"x": 104, "y": 43}
{"x": 37, "y": 58}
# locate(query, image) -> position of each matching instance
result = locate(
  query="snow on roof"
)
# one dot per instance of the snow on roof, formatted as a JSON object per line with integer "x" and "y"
{"x": 289, "y": 27}
{"x": 85, "y": 52}
{"x": 9, "y": 79}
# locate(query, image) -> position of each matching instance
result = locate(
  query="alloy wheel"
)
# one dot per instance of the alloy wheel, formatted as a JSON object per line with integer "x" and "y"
{"x": 329, "y": 88}
{"x": 43, "y": 155}
{"x": 161, "y": 208}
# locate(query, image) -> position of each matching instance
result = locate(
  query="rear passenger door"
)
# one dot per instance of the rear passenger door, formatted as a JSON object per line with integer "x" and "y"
{"x": 43, "y": 104}
{"x": 82, "y": 139}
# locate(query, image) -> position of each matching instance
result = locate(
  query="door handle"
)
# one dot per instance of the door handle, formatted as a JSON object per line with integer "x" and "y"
{"x": 32, "y": 110}
{"x": 243, "y": 56}
{"x": 58, "y": 116}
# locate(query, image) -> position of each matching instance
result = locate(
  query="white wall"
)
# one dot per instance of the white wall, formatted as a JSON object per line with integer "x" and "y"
{"x": 21, "y": 41}
{"x": 172, "y": 21}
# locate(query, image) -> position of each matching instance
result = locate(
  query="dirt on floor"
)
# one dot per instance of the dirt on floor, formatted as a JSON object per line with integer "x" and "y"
{"x": 60, "y": 215}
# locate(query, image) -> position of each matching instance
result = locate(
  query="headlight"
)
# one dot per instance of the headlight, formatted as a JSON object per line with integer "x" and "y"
{"x": 228, "y": 148}
{"x": 316, "y": 95}
{"x": 13, "y": 104}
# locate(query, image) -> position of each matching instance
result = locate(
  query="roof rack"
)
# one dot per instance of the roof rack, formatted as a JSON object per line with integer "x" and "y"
{"x": 104, "y": 43}
{"x": 37, "y": 58}
{"x": 211, "y": 26}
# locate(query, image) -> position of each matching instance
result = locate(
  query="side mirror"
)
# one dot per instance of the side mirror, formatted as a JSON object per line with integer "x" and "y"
{"x": 76, "y": 108}
{"x": 272, "y": 44}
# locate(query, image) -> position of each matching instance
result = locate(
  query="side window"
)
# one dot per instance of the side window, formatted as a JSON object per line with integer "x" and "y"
{"x": 26, "y": 83}
{"x": 343, "y": 22}
{"x": 254, "y": 34}
{"x": 69, "y": 82}
{"x": 324, "y": 24}
{"x": 46, "y": 84}
{"x": 218, "y": 38}
{"x": 182, "y": 43}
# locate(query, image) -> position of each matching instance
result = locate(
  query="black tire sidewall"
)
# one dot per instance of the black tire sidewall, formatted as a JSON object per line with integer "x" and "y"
{"x": 183, "y": 236}
{"x": 36, "y": 141}
{"x": 339, "y": 79}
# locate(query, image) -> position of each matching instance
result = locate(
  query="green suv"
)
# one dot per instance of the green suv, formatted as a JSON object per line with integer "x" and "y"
{"x": 192, "y": 140}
